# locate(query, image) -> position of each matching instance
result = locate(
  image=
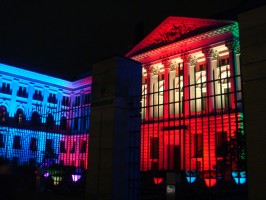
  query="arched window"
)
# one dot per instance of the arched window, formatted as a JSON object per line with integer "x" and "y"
{"x": 3, "y": 114}
{"x": 224, "y": 77}
{"x": 201, "y": 82}
{"x": 179, "y": 84}
{"x": 49, "y": 121}
{"x": 63, "y": 123}
{"x": 19, "y": 117}
{"x": 35, "y": 119}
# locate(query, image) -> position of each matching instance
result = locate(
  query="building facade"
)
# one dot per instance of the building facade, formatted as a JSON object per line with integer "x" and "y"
{"x": 43, "y": 119}
{"x": 192, "y": 118}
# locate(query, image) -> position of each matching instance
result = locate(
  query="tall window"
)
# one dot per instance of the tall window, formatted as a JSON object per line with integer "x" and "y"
{"x": 2, "y": 142}
{"x": 77, "y": 101}
{"x": 83, "y": 146}
{"x": 38, "y": 95}
{"x": 65, "y": 101}
{"x": 16, "y": 142}
{"x": 33, "y": 144}
{"x": 3, "y": 114}
{"x": 50, "y": 121}
{"x": 35, "y": 119}
{"x": 19, "y": 117}
{"x": 62, "y": 147}
{"x": 221, "y": 143}
{"x": 76, "y": 123}
{"x": 154, "y": 147}
{"x": 52, "y": 98}
{"x": 5, "y": 88}
{"x": 63, "y": 123}
{"x": 198, "y": 141}
{"x": 87, "y": 98}
{"x": 22, "y": 92}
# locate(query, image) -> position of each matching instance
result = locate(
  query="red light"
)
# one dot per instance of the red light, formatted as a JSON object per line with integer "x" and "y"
{"x": 157, "y": 180}
{"x": 210, "y": 182}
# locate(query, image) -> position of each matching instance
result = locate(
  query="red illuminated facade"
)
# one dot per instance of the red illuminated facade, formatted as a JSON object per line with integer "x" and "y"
{"x": 191, "y": 97}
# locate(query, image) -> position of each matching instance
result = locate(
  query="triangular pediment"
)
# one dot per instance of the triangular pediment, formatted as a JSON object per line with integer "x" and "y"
{"x": 174, "y": 29}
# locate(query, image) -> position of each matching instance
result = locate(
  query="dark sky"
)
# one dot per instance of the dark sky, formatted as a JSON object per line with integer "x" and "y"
{"x": 64, "y": 38}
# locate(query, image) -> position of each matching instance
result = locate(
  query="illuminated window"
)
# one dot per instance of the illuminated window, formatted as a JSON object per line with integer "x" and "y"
{"x": 3, "y": 114}
{"x": 224, "y": 77}
{"x": 201, "y": 81}
{"x": 16, "y": 142}
{"x": 224, "y": 61}
{"x": 19, "y": 117}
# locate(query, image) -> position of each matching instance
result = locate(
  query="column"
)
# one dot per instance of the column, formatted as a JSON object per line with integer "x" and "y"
{"x": 208, "y": 52}
{"x": 147, "y": 97}
{"x": 233, "y": 47}
{"x": 166, "y": 64}
{"x": 193, "y": 63}
{"x": 186, "y": 59}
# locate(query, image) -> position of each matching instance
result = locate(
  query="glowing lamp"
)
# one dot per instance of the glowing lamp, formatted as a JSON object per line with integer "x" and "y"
{"x": 75, "y": 177}
{"x": 57, "y": 179}
{"x": 46, "y": 175}
{"x": 240, "y": 180}
{"x": 240, "y": 177}
{"x": 210, "y": 182}
{"x": 191, "y": 179}
{"x": 157, "y": 180}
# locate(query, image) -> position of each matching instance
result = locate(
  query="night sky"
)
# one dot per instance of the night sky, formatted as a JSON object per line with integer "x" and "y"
{"x": 64, "y": 38}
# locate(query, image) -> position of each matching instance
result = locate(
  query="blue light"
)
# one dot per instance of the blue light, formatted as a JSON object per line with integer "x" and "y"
{"x": 240, "y": 180}
{"x": 239, "y": 176}
{"x": 191, "y": 179}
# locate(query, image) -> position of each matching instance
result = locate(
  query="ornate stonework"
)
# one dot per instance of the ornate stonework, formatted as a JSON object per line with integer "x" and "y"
{"x": 208, "y": 52}
{"x": 193, "y": 61}
{"x": 233, "y": 45}
{"x": 149, "y": 69}
{"x": 166, "y": 63}
{"x": 185, "y": 57}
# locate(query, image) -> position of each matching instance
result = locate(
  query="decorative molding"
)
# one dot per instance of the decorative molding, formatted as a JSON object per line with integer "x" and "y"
{"x": 173, "y": 66}
{"x": 166, "y": 63}
{"x": 193, "y": 61}
{"x": 149, "y": 69}
{"x": 185, "y": 57}
{"x": 174, "y": 29}
{"x": 155, "y": 70}
{"x": 215, "y": 55}
{"x": 208, "y": 52}
{"x": 233, "y": 45}
{"x": 174, "y": 47}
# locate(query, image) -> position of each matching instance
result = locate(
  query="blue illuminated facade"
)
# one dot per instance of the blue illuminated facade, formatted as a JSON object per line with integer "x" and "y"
{"x": 40, "y": 114}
